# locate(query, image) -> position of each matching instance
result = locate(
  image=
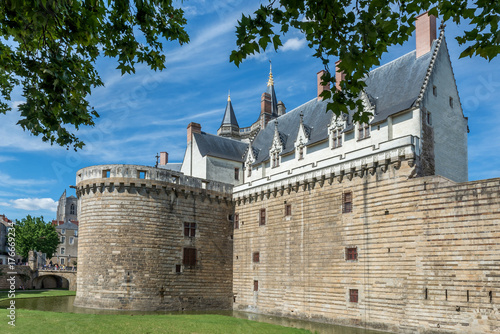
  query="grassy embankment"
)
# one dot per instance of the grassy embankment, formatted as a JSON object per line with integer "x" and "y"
{"x": 36, "y": 293}
{"x": 39, "y": 322}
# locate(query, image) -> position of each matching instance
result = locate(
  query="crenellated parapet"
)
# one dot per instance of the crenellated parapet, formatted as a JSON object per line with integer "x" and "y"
{"x": 147, "y": 180}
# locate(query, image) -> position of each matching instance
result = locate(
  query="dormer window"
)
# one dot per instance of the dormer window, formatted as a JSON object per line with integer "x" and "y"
{"x": 336, "y": 138}
{"x": 363, "y": 131}
{"x": 249, "y": 169}
{"x": 275, "y": 160}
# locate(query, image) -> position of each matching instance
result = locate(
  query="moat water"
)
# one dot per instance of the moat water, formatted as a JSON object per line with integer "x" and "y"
{"x": 65, "y": 304}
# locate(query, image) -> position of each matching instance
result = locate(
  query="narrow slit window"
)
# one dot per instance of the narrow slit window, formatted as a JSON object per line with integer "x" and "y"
{"x": 288, "y": 210}
{"x": 255, "y": 285}
{"x": 236, "y": 173}
{"x": 236, "y": 221}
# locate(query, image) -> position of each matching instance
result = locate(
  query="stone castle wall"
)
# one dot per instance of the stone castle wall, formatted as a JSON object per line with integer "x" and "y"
{"x": 132, "y": 240}
{"x": 23, "y": 277}
{"x": 427, "y": 251}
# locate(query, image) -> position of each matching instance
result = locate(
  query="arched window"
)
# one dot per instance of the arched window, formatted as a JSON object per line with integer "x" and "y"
{"x": 72, "y": 209}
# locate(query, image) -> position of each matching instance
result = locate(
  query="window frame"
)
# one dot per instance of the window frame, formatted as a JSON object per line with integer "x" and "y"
{"x": 71, "y": 240}
{"x": 288, "y": 210}
{"x": 347, "y": 202}
{"x": 236, "y": 174}
{"x": 62, "y": 251}
{"x": 363, "y": 131}
{"x": 190, "y": 230}
{"x": 353, "y": 295}
{"x": 262, "y": 217}
{"x": 255, "y": 285}
{"x": 336, "y": 138}
{"x": 189, "y": 257}
{"x": 256, "y": 257}
{"x": 351, "y": 253}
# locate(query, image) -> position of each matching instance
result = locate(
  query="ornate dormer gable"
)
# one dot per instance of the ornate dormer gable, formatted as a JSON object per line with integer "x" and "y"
{"x": 279, "y": 141}
{"x": 368, "y": 102}
{"x": 251, "y": 156}
{"x": 336, "y": 130}
{"x": 303, "y": 135}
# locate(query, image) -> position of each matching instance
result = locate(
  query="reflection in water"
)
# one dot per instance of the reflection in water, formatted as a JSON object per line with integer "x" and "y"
{"x": 65, "y": 304}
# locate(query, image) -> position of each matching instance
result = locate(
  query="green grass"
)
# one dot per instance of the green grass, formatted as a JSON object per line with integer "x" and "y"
{"x": 37, "y": 293}
{"x": 40, "y": 322}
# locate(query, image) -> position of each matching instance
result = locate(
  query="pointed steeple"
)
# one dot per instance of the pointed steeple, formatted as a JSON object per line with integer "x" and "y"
{"x": 229, "y": 126}
{"x": 229, "y": 116}
{"x": 270, "y": 91}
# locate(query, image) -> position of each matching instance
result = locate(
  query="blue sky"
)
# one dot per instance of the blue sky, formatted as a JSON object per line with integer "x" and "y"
{"x": 148, "y": 112}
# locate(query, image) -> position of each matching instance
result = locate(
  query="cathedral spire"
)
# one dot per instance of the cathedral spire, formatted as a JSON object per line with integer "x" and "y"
{"x": 271, "y": 92}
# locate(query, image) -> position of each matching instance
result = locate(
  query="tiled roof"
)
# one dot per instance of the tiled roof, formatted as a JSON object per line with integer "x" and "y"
{"x": 220, "y": 147}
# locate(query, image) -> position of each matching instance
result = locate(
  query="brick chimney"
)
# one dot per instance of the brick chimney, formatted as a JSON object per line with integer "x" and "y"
{"x": 425, "y": 26}
{"x": 265, "y": 104}
{"x": 192, "y": 128}
{"x": 321, "y": 88}
{"x": 339, "y": 76}
{"x": 163, "y": 158}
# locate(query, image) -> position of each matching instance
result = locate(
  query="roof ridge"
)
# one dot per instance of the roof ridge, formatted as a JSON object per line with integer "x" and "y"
{"x": 430, "y": 68}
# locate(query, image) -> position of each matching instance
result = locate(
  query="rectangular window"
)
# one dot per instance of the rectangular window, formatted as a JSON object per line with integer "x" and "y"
{"x": 177, "y": 268}
{"x": 236, "y": 221}
{"x": 63, "y": 240}
{"x": 189, "y": 258}
{"x": 76, "y": 233}
{"x": 275, "y": 160}
{"x": 62, "y": 261}
{"x": 351, "y": 253}
{"x": 347, "y": 202}
{"x": 71, "y": 240}
{"x": 288, "y": 210}
{"x": 249, "y": 167}
{"x": 190, "y": 230}
{"x": 353, "y": 295}
{"x": 336, "y": 138}
{"x": 141, "y": 174}
{"x": 236, "y": 173}
{"x": 301, "y": 152}
{"x": 106, "y": 173}
{"x": 364, "y": 131}
{"x": 63, "y": 231}
{"x": 63, "y": 250}
{"x": 256, "y": 257}
{"x": 255, "y": 285}
{"x": 262, "y": 220}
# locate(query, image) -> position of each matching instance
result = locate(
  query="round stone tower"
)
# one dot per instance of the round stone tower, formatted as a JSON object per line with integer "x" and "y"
{"x": 153, "y": 239}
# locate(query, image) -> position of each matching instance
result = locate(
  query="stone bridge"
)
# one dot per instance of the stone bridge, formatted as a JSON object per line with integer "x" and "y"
{"x": 52, "y": 279}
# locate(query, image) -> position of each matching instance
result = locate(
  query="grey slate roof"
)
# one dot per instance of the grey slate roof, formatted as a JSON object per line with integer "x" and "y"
{"x": 315, "y": 118}
{"x": 220, "y": 147}
{"x": 391, "y": 88}
{"x": 229, "y": 116}
{"x": 175, "y": 166}
{"x": 395, "y": 86}
{"x": 68, "y": 226}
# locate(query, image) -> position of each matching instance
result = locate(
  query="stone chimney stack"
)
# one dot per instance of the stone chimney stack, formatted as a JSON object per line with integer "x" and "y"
{"x": 321, "y": 88}
{"x": 192, "y": 128}
{"x": 339, "y": 76}
{"x": 163, "y": 158}
{"x": 281, "y": 108}
{"x": 425, "y": 26}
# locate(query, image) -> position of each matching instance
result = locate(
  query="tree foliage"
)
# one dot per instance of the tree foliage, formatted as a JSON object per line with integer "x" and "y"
{"x": 359, "y": 32}
{"x": 50, "y": 48}
{"x": 32, "y": 233}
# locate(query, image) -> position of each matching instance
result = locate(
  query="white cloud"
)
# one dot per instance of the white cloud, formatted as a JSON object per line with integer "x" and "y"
{"x": 293, "y": 44}
{"x": 6, "y": 158}
{"x": 6, "y": 180}
{"x": 34, "y": 204}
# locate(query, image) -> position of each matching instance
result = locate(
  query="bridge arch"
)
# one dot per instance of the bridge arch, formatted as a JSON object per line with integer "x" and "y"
{"x": 55, "y": 280}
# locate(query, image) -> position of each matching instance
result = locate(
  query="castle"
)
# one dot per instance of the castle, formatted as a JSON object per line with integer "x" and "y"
{"x": 306, "y": 215}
